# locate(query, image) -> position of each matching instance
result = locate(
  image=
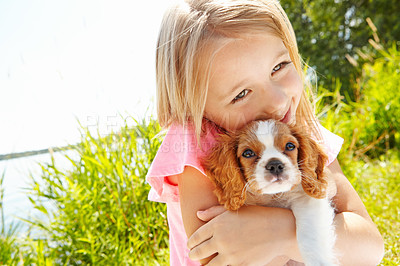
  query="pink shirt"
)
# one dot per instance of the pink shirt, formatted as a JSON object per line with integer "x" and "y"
{"x": 180, "y": 149}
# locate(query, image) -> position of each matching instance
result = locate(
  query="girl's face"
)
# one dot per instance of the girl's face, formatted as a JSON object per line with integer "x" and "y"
{"x": 252, "y": 78}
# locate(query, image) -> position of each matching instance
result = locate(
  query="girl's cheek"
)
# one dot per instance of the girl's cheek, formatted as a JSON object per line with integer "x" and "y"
{"x": 241, "y": 119}
{"x": 231, "y": 121}
{"x": 294, "y": 82}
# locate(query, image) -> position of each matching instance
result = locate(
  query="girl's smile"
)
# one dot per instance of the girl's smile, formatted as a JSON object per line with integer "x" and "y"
{"x": 252, "y": 78}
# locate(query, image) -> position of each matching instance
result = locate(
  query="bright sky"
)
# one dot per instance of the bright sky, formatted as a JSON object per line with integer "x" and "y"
{"x": 63, "y": 60}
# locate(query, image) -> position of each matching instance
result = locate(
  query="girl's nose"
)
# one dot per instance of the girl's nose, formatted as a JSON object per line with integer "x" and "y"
{"x": 275, "y": 102}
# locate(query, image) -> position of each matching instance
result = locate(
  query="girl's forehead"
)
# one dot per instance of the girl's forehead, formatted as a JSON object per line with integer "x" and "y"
{"x": 243, "y": 57}
{"x": 221, "y": 50}
{"x": 216, "y": 43}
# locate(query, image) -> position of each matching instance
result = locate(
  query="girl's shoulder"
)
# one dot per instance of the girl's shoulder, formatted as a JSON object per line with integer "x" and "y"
{"x": 179, "y": 149}
{"x": 331, "y": 143}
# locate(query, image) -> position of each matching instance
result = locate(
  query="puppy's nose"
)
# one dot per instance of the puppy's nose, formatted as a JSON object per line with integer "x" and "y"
{"x": 275, "y": 167}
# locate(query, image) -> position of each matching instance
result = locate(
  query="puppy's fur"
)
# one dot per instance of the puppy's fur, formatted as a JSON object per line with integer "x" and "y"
{"x": 272, "y": 164}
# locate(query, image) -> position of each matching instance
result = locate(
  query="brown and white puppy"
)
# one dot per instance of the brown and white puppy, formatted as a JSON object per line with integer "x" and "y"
{"x": 273, "y": 164}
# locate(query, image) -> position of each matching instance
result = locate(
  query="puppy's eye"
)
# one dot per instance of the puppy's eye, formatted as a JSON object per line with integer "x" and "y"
{"x": 290, "y": 146}
{"x": 248, "y": 153}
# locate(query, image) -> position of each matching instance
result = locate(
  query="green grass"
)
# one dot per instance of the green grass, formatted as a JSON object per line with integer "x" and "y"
{"x": 369, "y": 123}
{"x": 378, "y": 184}
{"x": 97, "y": 212}
{"x": 7, "y": 235}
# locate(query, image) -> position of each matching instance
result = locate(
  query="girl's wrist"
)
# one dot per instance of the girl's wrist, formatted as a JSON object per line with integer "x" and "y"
{"x": 292, "y": 250}
{"x": 290, "y": 247}
{"x": 285, "y": 231}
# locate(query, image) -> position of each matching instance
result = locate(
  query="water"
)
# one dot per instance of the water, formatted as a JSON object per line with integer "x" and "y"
{"x": 17, "y": 180}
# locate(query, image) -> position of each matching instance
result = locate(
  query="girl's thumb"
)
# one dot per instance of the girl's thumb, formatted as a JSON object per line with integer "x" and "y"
{"x": 210, "y": 213}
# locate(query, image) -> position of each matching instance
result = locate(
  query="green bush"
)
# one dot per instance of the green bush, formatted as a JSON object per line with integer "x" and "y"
{"x": 378, "y": 184}
{"x": 98, "y": 212}
{"x": 371, "y": 123}
{"x": 381, "y": 84}
{"x": 8, "y": 239}
{"x": 370, "y": 154}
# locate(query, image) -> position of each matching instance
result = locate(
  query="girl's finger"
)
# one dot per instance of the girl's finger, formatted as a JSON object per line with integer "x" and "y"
{"x": 217, "y": 261}
{"x": 211, "y": 213}
{"x": 201, "y": 235}
{"x": 202, "y": 251}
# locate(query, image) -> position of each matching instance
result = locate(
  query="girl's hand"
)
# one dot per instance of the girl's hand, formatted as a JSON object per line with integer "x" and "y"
{"x": 253, "y": 235}
{"x": 211, "y": 213}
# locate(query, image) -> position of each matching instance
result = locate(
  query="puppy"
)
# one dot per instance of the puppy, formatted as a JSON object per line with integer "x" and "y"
{"x": 272, "y": 164}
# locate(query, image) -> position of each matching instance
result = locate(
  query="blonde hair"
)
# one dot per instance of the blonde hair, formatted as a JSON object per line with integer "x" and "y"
{"x": 185, "y": 31}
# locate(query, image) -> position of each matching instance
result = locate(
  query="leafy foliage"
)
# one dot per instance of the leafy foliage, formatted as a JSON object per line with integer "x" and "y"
{"x": 98, "y": 212}
{"x": 370, "y": 122}
{"x": 329, "y": 30}
{"x": 7, "y": 236}
{"x": 382, "y": 100}
{"x": 378, "y": 184}
{"x": 370, "y": 156}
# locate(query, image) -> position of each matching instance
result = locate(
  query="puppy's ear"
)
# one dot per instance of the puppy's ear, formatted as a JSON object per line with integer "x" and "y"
{"x": 222, "y": 168}
{"x": 311, "y": 160}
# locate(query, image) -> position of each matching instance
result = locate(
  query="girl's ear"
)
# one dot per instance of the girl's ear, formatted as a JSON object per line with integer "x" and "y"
{"x": 221, "y": 166}
{"x": 311, "y": 160}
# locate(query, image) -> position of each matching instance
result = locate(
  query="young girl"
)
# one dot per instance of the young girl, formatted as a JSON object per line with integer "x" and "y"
{"x": 220, "y": 65}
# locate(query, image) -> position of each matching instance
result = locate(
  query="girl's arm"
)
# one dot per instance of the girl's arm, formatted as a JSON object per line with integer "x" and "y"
{"x": 233, "y": 234}
{"x": 258, "y": 234}
{"x": 358, "y": 240}
{"x": 195, "y": 193}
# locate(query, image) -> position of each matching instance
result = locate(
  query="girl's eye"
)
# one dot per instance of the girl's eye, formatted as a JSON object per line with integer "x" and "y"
{"x": 248, "y": 153}
{"x": 280, "y": 66}
{"x": 290, "y": 146}
{"x": 241, "y": 95}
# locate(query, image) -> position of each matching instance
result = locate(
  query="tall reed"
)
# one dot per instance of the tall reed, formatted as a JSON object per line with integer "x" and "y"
{"x": 97, "y": 211}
